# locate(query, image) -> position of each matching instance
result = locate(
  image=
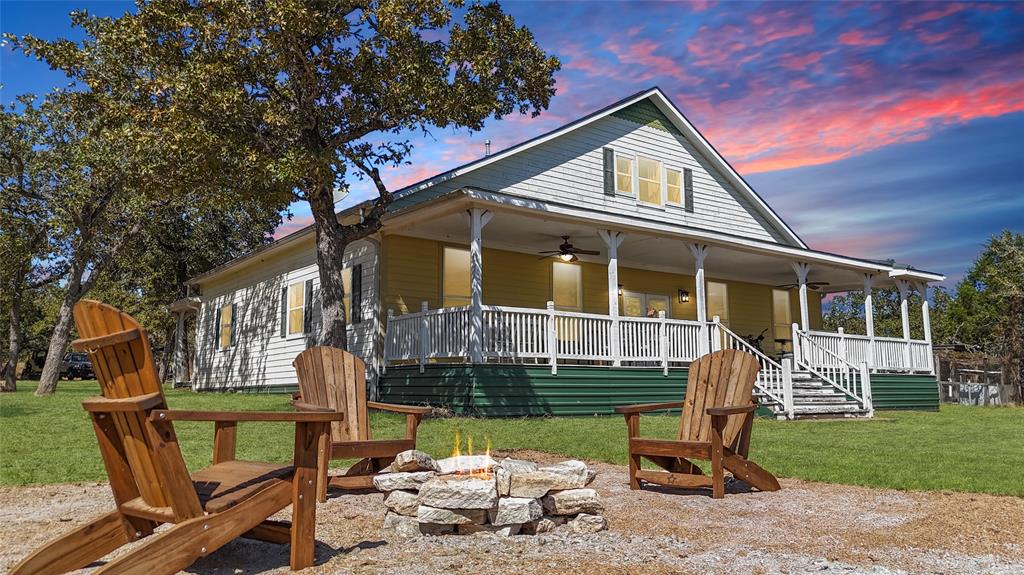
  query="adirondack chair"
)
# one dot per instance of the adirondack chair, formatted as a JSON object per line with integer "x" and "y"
{"x": 151, "y": 484}
{"x": 334, "y": 379}
{"x": 715, "y": 425}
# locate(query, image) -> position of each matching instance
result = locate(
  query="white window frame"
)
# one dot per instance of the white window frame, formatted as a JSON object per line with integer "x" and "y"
{"x": 661, "y": 183}
{"x": 725, "y": 304}
{"x": 288, "y": 316}
{"x": 682, "y": 185}
{"x": 632, "y": 176}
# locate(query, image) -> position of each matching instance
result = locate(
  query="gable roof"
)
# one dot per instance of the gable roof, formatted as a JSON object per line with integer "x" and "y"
{"x": 678, "y": 120}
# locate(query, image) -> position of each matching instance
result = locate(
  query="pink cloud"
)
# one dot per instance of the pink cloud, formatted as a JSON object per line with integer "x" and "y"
{"x": 801, "y": 61}
{"x": 858, "y": 38}
{"x": 938, "y": 13}
{"x": 641, "y": 54}
{"x": 291, "y": 226}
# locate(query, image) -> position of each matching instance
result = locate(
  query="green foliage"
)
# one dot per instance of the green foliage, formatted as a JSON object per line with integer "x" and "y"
{"x": 847, "y": 311}
{"x": 855, "y": 452}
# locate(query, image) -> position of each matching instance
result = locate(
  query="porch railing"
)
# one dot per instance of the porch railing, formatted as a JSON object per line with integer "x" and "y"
{"x": 880, "y": 353}
{"x": 831, "y": 368}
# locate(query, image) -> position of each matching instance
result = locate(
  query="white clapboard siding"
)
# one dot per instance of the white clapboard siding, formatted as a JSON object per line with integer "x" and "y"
{"x": 569, "y": 169}
{"x": 261, "y": 359}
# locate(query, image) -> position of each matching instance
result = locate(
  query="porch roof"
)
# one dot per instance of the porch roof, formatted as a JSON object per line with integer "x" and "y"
{"x": 529, "y": 226}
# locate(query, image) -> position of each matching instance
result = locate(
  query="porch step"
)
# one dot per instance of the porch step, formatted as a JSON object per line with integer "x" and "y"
{"x": 815, "y": 399}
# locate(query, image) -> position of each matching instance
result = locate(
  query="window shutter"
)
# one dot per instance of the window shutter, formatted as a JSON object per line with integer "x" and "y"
{"x": 307, "y": 314}
{"x": 284, "y": 311}
{"x": 688, "y": 189}
{"x": 357, "y": 294}
{"x": 234, "y": 323}
{"x": 609, "y": 171}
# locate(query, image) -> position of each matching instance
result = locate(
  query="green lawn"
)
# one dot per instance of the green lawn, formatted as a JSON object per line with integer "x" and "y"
{"x": 50, "y": 440}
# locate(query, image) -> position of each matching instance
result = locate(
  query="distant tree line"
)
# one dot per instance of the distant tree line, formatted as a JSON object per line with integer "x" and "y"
{"x": 985, "y": 311}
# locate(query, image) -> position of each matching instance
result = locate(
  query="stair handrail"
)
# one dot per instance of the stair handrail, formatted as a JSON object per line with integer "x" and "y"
{"x": 843, "y": 375}
{"x": 771, "y": 378}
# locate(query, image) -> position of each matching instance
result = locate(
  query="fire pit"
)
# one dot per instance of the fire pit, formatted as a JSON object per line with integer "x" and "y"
{"x": 467, "y": 494}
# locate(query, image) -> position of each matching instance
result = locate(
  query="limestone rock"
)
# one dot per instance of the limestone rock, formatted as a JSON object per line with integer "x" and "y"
{"x": 465, "y": 463}
{"x": 543, "y": 525}
{"x": 403, "y": 502}
{"x": 517, "y": 465}
{"x": 516, "y": 510}
{"x": 591, "y": 474}
{"x": 585, "y": 523}
{"x": 427, "y": 514}
{"x": 499, "y": 530}
{"x": 459, "y": 492}
{"x": 413, "y": 460}
{"x": 503, "y": 478}
{"x": 405, "y": 527}
{"x": 573, "y": 501}
{"x": 401, "y": 480}
{"x": 565, "y": 475}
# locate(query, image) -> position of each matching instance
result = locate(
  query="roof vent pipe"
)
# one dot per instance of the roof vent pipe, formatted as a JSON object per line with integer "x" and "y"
{"x": 487, "y": 148}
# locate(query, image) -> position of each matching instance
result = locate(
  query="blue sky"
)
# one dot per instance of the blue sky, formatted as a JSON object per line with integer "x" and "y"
{"x": 884, "y": 130}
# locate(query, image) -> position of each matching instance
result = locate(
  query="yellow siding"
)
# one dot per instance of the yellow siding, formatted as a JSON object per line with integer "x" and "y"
{"x": 412, "y": 273}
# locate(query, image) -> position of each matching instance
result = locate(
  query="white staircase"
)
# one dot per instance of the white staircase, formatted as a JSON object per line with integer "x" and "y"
{"x": 815, "y": 399}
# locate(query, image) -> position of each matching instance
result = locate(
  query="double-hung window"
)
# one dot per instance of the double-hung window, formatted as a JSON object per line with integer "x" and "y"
{"x": 673, "y": 186}
{"x": 455, "y": 280}
{"x": 296, "y": 307}
{"x": 226, "y": 326}
{"x": 623, "y": 174}
{"x": 567, "y": 286}
{"x": 649, "y": 181}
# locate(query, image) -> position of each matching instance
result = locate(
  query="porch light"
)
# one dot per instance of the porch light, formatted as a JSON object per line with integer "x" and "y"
{"x": 620, "y": 289}
{"x": 568, "y": 258}
{"x": 684, "y": 296}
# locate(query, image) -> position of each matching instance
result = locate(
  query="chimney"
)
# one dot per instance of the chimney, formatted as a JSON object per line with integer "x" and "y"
{"x": 487, "y": 148}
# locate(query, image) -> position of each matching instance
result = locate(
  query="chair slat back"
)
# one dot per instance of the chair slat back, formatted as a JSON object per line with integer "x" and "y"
{"x": 334, "y": 378}
{"x": 124, "y": 368}
{"x": 721, "y": 379}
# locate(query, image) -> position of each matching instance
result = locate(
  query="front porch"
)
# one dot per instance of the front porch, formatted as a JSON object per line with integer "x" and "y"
{"x": 641, "y": 299}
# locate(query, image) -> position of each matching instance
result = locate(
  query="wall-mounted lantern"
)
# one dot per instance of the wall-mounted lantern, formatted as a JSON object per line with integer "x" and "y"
{"x": 620, "y": 289}
{"x": 684, "y": 296}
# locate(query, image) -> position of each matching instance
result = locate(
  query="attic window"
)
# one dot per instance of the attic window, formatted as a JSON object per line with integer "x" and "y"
{"x": 623, "y": 174}
{"x": 673, "y": 186}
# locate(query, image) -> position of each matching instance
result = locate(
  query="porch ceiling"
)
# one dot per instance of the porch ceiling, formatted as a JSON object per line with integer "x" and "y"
{"x": 528, "y": 233}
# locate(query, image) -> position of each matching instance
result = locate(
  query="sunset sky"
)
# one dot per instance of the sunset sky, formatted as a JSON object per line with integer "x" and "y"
{"x": 877, "y": 130}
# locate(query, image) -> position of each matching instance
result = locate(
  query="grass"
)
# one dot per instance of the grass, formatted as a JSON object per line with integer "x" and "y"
{"x": 976, "y": 449}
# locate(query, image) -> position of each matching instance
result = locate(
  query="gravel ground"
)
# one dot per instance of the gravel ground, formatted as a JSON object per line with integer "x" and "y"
{"x": 806, "y": 527}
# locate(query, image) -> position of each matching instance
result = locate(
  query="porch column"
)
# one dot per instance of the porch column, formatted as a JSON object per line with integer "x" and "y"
{"x": 926, "y": 320}
{"x": 904, "y": 288}
{"x": 869, "y": 317}
{"x": 613, "y": 240}
{"x": 179, "y": 348}
{"x": 802, "y": 270}
{"x": 478, "y": 218}
{"x": 700, "y": 252}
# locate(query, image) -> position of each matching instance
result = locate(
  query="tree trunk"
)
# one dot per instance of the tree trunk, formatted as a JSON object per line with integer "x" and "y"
{"x": 330, "y": 251}
{"x": 10, "y": 370}
{"x": 61, "y": 333}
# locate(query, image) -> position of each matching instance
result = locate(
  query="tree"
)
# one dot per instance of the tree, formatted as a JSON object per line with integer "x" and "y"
{"x": 24, "y": 242}
{"x": 847, "y": 311}
{"x": 317, "y": 95}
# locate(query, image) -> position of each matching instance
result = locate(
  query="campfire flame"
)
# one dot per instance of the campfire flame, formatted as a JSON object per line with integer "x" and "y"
{"x": 482, "y": 471}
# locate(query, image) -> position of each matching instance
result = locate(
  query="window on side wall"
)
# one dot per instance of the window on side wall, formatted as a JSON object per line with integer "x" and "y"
{"x": 782, "y": 317}
{"x": 455, "y": 281}
{"x": 623, "y": 174}
{"x": 226, "y": 326}
{"x": 649, "y": 181}
{"x": 674, "y": 186}
{"x": 718, "y": 301}
{"x": 567, "y": 286}
{"x": 346, "y": 282}
{"x": 296, "y": 307}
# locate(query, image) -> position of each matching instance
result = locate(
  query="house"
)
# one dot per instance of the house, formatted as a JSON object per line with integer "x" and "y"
{"x": 659, "y": 251}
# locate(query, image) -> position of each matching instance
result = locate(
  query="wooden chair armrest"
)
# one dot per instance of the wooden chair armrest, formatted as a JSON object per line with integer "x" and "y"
{"x": 91, "y": 344}
{"x": 301, "y": 406}
{"x": 731, "y": 410}
{"x": 644, "y": 407}
{"x": 139, "y": 403}
{"x": 292, "y": 416}
{"x": 394, "y": 407}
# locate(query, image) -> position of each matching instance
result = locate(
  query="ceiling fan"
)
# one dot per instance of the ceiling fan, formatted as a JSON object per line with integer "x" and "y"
{"x": 810, "y": 285}
{"x": 566, "y": 252}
